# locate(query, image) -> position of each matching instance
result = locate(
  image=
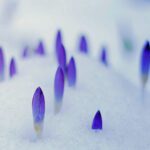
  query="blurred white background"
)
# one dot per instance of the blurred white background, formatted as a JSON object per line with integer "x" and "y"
{"x": 26, "y": 21}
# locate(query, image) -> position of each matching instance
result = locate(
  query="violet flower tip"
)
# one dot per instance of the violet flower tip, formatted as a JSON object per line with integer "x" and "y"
{"x": 40, "y": 48}
{"x": 2, "y": 64}
{"x": 12, "y": 68}
{"x": 25, "y": 52}
{"x": 59, "y": 84}
{"x": 71, "y": 72}
{"x": 97, "y": 121}
{"x": 38, "y": 110}
{"x": 145, "y": 62}
{"x": 104, "y": 56}
{"x": 61, "y": 56}
{"x": 83, "y": 46}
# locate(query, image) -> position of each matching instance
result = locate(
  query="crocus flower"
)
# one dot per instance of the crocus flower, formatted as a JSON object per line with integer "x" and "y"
{"x": 59, "y": 84}
{"x": 40, "y": 48}
{"x": 71, "y": 72}
{"x": 145, "y": 62}
{"x": 104, "y": 56}
{"x": 62, "y": 57}
{"x": 38, "y": 110}
{"x": 58, "y": 41}
{"x": 25, "y": 52}
{"x": 83, "y": 47}
{"x": 58, "y": 88}
{"x": 97, "y": 121}
{"x": 12, "y": 68}
{"x": 2, "y": 65}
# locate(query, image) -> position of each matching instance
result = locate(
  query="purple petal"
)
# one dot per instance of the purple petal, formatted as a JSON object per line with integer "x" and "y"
{"x": 40, "y": 48}
{"x": 12, "y": 68}
{"x": 83, "y": 47}
{"x": 97, "y": 121}
{"x": 38, "y": 106}
{"x": 59, "y": 84}
{"x": 145, "y": 62}
{"x": 25, "y": 52}
{"x": 104, "y": 56}
{"x": 58, "y": 41}
{"x": 71, "y": 72}
{"x": 2, "y": 65}
{"x": 62, "y": 57}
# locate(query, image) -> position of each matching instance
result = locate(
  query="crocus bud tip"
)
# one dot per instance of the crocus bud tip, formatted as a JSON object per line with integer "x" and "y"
{"x": 59, "y": 84}
{"x": 38, "y": 110}
{"x": 97, "y": 121}
{"x": 71, "y": 72}
{"x": 12, "y": 68}
{"x": 40, "y": 48}
{"x": 83, "y": 46}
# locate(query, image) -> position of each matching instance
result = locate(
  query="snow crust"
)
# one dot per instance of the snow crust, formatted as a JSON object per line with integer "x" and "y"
{"x": 125, "y": 114}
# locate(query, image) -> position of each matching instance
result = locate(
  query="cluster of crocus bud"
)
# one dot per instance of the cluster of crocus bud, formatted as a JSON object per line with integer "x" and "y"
{"x": 39, "y": 49}
{"x": 64, "y": 72}
{"x": 12, "y": 66}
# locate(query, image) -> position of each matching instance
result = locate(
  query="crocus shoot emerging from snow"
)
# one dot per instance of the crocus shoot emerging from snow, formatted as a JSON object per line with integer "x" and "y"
{"x": 12, "y": 68}
{"x": 40, "y": 48}
{"x": 58, "y": 41}
{"x": 83, "y": 46}
{"x": 61, "y": 55}
{"x": 71, "y": 72}
{"x": 104, "y": 56}
{"x": 58, "y": 88}
{"x": 25, "y": 52}
{"x": 97, "y": 121}
{"x": 145, "y": 63}
{"x": 38, "y": 110}
{"x": 2, "y": 65}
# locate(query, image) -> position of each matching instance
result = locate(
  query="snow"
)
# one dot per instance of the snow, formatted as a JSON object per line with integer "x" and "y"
{"x": 125, "y": 114}
{"x": 115, "y": 91}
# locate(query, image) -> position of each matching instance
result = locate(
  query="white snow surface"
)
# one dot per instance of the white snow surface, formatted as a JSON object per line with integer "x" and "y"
{"x": 115, "y": 91}
{"x": 125, "y": 114}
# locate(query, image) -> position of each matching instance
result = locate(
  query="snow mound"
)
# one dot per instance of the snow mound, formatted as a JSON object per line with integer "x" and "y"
{"x": 124, "y": 112}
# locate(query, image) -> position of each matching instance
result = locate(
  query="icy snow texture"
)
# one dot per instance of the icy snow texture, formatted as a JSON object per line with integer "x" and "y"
{"x": 125, "y": 114}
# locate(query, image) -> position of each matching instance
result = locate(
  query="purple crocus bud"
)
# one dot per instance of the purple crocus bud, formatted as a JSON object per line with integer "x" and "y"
{"x": 40, "y": 48}
{"x": 2, "y": 65}
{"x": 145, "y": 62}
{"x": 38, "y": 110}
{"x": 97, "y": 121}
{"x": 12, "y": 68}
{"x": 83, "y": 47}
{"x": 71, "y": 72}
{"x": 59, "y": 84}
{"x": 58, "y": 41}
{"x": 59, "y": 89}
{"x": 25, "y": 52}
{"x": 104, "y": 56}
{"x": 62, "y": 57}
